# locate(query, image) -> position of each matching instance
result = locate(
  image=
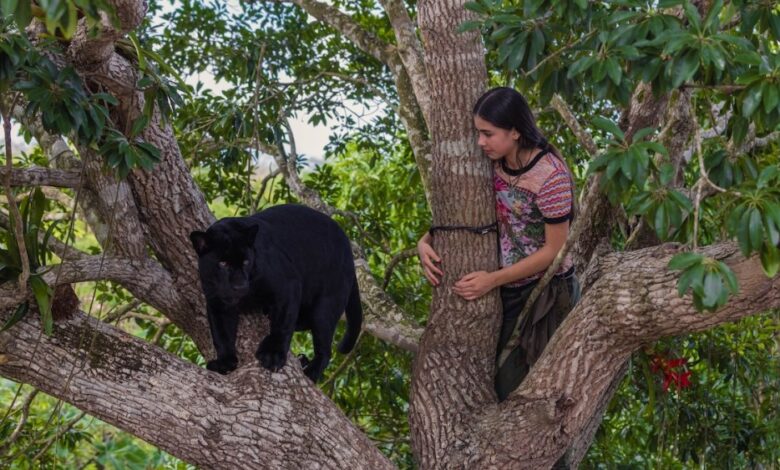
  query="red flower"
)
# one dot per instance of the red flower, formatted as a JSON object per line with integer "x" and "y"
{"x": 666, "y": 366}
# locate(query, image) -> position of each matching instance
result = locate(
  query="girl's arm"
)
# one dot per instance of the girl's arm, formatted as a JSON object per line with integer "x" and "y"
{"x": 554, "y": 236}
{"x": 476, "y": 284}
{"x": 427, "y": 257}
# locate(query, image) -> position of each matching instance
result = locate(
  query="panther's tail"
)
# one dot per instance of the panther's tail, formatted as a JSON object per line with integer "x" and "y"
{"x": 354, "y": 313}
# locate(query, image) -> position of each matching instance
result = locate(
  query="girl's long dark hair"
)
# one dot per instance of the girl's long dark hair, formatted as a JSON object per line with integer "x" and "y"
{"x": 506, "y": 108}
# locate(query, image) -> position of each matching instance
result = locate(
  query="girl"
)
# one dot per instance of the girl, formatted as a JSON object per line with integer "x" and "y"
{"x": 534, "y": 207}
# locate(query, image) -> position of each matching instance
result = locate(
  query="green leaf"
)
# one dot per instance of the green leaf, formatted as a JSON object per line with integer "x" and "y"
{"x": 139, "y": 53}
{"x": 712, "y": 289}
{"x": 37, "y": 208}
{"x": 681, "y": 200}
{"x": 770, "y": 260}
{"x": 580, "y": 65}
{"x": 469, "y": 26}
{"x": 739, "y": 128}
{"x": 767, "y": 174}
{"x": 756, "y": 228}
{"x": 771, "y": 96}
{"x": 8, "y": 7}
{"x": 43, "y": 294}
{"x": 45, "y": 243}
{"x": 743, "y": 232}
{"x": 711, "y": 21}
{"x": 661, "y": 222}
{"x": 666, "y": 174}
{"x": 108, "y": 98}
{"x": 748, "y": 58}
{"x": 773, "y": 211}
{"x": 517, "y": 53}
{"x": 537, "y": 43}
{"x": 139, "y": 125}
{"x": 685, "y": 67}
{"x": 692, "y": 13}
{"x": 642, "y": 133}
{"x": 731, "y": 279}
{"x": 609, "y": 126}
{"x": 19, "y": 313}
{"x": 152, "y": 151}
{"x": 476, "y": 7}
{"x": 144, "y": 82}
{"x": 23, "y": 14}
{"x": 685, "y": 260}
{"x": 614, "y": 71}
{"x": 691, "y": 277}
{"x": 750, "y": 100}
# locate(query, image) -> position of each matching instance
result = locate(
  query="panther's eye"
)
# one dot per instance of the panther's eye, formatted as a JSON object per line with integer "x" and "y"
{"x": 223, "y": 264}
{"x": 246, "y": 262}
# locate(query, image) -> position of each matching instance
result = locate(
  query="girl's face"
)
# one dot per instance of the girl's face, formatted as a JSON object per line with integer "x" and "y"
{"x": 495, "y": 141}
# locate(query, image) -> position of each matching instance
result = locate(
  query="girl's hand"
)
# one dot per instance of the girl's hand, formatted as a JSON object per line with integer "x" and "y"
{"x": 474, "y": 285}
{"x": 427, "y": 258}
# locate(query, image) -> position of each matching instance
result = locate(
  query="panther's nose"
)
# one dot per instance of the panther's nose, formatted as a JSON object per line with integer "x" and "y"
{"x": 240, "y": 286}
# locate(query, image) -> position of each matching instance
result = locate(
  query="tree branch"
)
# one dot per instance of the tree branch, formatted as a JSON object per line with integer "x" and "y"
{"x": 251, "y": 418}
{"x": 411, "y": 52}
{"x": 365, "y": 40}
{"x": 41, "y": 176}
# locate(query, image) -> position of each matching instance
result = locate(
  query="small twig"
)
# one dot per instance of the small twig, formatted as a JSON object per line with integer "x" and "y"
{"x": 117, "y": 315}
{"x": 145, "y": 317}
{"x": 59, "y": 434}
{"x": 394, "y": 262}
{"x": 22, "y": 421}
{"x": 634, "y": 233}
{"x": 343, "y": 364}
{"x": 161, "y": 329}
{"x": 561, "y": 50}
{"x": 582, "y": 135}
{"x": 728, "y": 89}
{"x": 267, "y": 179}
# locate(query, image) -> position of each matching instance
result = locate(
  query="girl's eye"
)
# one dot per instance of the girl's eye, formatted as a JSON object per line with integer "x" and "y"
{"x": 223, "y": 264}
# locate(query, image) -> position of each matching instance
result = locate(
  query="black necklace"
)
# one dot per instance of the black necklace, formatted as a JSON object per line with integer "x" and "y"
{"x": 523, "y": 168}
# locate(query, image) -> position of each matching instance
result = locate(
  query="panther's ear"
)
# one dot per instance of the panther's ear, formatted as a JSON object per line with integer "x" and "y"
{"x": 249, "y": 234}
{"x": 199, "y": 241}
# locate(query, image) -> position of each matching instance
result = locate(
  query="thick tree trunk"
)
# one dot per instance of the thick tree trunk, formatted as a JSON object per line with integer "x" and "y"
{"x": 453, "y": 368}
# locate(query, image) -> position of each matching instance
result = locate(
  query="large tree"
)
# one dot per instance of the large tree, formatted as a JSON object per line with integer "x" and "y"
{"x": 687, "y": 94}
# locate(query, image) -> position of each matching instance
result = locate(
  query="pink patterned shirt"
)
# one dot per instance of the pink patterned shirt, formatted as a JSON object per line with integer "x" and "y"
{"x": 526, "y": 199}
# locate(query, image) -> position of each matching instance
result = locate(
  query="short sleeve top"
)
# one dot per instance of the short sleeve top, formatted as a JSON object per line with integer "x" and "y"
{"x": 540, "y": 193}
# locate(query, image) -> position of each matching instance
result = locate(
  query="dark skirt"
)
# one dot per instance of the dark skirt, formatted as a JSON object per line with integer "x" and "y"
{"x": 555, "y": 302}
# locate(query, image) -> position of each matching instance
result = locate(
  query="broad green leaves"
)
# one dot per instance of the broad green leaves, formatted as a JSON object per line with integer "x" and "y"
{"x": 710, "y": 280}
{"x": 65, "y": 106}
{"x": 755, "y": 222}
{"x": 624, "y": 165}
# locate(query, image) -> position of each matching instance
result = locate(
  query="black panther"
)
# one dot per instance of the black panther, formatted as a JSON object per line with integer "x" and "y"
{"x": 292, "y": 263}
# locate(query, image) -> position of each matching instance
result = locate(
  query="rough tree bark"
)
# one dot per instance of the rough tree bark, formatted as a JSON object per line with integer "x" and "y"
{"x": 257, "y": 419}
